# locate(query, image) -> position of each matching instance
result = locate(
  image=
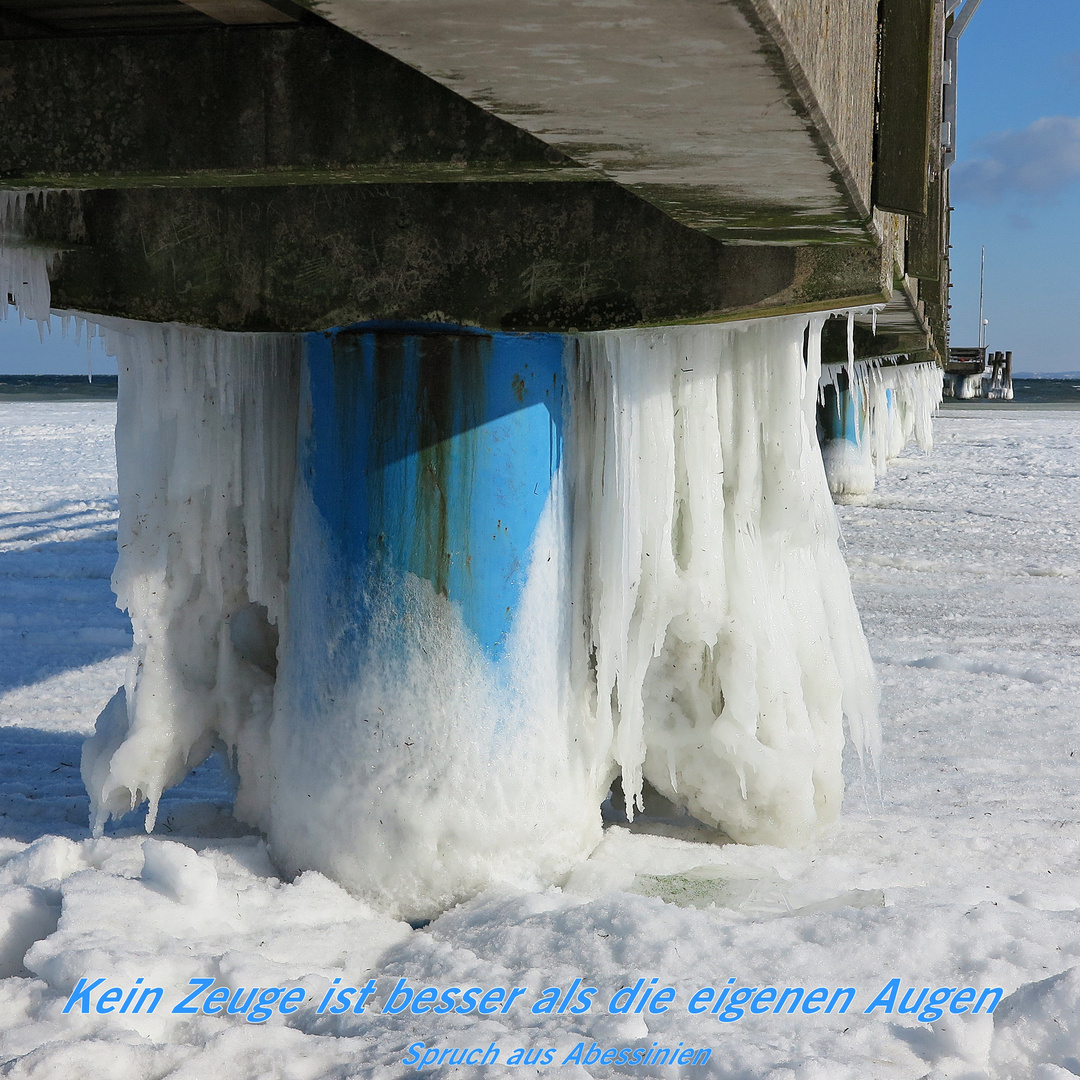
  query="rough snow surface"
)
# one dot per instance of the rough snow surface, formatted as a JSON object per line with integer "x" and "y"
{"x": 60, "y": 633}
{"x": 966, "y": 566}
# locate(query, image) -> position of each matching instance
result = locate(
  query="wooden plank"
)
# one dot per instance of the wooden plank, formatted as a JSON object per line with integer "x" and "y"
{"x": 73, "y": 17}
{"x": 124, "y": 24}
{"x": 902, "y": 160}
{"x": 15, "y": 24}
{"x": 421, "y": 172}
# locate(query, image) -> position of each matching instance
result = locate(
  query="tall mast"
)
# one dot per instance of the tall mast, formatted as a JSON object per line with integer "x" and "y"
{"x": 982, "y": 283}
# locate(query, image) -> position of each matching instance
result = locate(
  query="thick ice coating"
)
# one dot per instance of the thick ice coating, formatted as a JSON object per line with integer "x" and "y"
{"x": 886, "y": 404}
{"x": 24, "y": 267}
{"x": 687, "y": 620}
{"x": 409, "y": 766}
{"x": 720, "y": 622}
{"x": 205, "y": 447}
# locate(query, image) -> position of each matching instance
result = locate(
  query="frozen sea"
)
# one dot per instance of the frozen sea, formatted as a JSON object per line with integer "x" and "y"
{"x": 956, "y": 866}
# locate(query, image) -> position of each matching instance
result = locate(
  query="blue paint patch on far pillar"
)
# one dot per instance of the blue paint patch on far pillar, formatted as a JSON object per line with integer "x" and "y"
{"x": 842, "y": 411}
{"x": 431, "y": 451}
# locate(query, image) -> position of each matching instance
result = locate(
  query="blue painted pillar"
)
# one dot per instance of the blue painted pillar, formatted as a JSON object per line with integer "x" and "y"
{"x": 420, "y": 745}
{"x": 846, "y": 445}
{"x": 431, "y": 453}
{"x": 842, "y": 413}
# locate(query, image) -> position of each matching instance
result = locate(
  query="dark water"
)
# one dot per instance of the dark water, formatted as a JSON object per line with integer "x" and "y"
{"x": 1030, "y": 394}
{"x": 57, "y": 388}
{"x": 103, "y": 388}
{"x": 1047, "y": 391}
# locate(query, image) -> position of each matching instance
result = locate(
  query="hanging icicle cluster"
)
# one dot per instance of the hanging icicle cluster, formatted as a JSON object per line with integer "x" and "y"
{"x": 875, "y": 409}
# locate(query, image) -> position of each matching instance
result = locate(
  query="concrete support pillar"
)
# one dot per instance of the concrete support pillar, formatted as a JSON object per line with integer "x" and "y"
{"x": 968, "y": 387}
{"x": 418, "y": 742}
{"x": 426, "y": 675}
{"x": 897, "y": 436}
{"x": 845, "y": 443}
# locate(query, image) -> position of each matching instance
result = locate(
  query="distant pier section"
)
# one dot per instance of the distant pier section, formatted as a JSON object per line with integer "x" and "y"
{"x": 971, "y": 372}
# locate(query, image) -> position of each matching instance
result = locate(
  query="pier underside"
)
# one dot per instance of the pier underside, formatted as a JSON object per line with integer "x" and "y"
{"x": 289, "y": 176}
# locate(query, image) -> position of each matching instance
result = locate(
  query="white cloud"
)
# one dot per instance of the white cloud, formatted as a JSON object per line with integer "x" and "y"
{"x": 1040, "y": 160}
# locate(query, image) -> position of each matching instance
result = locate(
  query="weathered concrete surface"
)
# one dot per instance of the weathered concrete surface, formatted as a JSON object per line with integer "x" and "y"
{"x": 298, "y": 178}
{"x": 832, "y": 44}
{"x": 868, "y": 345}
{"x": 35, "y": 18}
{"x": 928, "y": 234}
{"x": 908, "y": 45}
{"x": 513, "y": 256}
{"x": 686, "y": 103}
{"x": 163, "y": 108}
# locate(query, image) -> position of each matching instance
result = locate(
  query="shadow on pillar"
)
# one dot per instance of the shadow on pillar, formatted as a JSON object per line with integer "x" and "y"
{"x": 432, "y": 453}
{"x": 425, "y": 742}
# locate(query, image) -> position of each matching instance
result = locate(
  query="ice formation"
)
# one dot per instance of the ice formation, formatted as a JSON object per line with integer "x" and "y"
{"x": 687, "y": 620}
{"x": 412, "y": 768}
{"x": 205, "y": 447}
{"x": 24, "y": 267}
{"x": 718, "y": 615}
{"x": 886, "y": 404}
{"x": 964, "y": 387}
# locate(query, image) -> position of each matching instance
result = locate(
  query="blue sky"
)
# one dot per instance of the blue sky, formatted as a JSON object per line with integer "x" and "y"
{"x": 1016, "y": 183}
{"x": 24, "y": 350}
{"x": 1016, "y": 189}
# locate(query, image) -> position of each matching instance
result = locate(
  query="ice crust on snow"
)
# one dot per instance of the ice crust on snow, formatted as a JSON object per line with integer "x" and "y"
{"x": 895, "y": 403}
{"x": 687, "y": 621}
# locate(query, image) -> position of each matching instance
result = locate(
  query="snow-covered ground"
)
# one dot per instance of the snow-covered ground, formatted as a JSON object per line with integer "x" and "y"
{"x": 965, "y": 873}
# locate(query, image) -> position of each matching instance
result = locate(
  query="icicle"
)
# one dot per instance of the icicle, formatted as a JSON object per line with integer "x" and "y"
{"x": 24, "y": 267}
{"x": 725, "y": 641}
{"x": 851, "y": 346}
{"x": 206, "y": 435}
{"x": 689, "y": 552}
{"x": 893, "y": 403}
